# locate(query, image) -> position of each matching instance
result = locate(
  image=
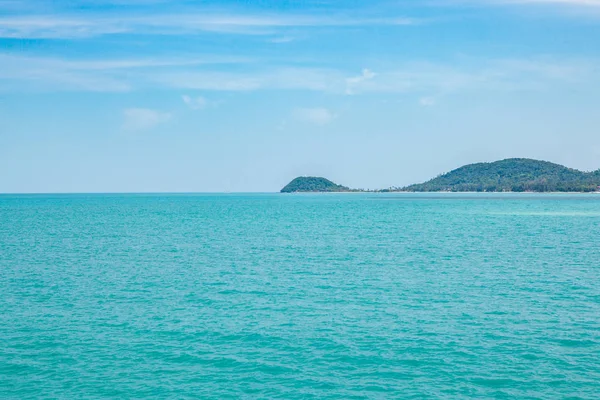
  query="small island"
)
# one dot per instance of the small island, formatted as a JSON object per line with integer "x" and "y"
{"x": 510, "y": 175}
{"x": 308, "y": 184}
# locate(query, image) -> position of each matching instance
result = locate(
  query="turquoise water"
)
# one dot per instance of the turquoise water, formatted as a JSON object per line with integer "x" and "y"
{"x": 300, "y": 296}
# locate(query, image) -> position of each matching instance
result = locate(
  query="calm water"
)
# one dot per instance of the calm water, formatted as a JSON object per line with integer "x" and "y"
{"x": 300, "y": 296}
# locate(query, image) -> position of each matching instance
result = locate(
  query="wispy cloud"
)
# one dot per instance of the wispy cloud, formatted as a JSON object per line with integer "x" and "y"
{"x": 502, "y": 75}
{"x": 195, "y": 103}
{"x": 565, "y": 2}
{"x": 482, "y": 3}
{"x": 116, "y": 64}
{"x": 317, "y": 116}
{"x": 108, "y": 75}
{"x": 427, "y": 101}
{"x": 199, "y": 73}
{"x": 366, "y": 75}
{"x": 282, "y": 39}
{"x": 424, "y": 79}
{"x": 39, "y": 73}
{"x": 139, "y": 119}
{"x": 52, "y": 27}
{"x": 81, "y": 26}
{"x": 284, "y": 78}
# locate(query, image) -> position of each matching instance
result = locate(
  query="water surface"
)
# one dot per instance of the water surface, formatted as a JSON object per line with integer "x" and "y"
{"x": 300, "y": 296}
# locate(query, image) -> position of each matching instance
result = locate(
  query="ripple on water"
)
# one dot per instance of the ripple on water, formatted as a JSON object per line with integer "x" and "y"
{"x": 275, "y": 296}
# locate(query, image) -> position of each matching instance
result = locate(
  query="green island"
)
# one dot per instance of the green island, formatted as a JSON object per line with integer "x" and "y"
{"x": 510, "y": 175}
{"x": 313, "y": 184}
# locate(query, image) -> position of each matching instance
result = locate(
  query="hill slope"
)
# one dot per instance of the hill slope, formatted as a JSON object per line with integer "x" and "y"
{"x": 514, "y": 174}
{"x": 313, "y": 184}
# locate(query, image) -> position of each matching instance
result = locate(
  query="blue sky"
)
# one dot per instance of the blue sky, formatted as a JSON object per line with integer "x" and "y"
{"x": 151, "y": 95}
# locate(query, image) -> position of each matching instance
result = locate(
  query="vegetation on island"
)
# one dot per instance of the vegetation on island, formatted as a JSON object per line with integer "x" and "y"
{"x": 313, "y": 184}
{"x": 510, "y": 175}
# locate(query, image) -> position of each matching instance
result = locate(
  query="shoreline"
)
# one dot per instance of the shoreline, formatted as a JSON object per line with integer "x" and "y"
{"x": 441, "y": 192}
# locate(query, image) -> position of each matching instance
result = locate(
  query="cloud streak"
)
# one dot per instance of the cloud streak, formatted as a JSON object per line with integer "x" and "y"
{"x": 480, "y": 3}
{"x": 104, "y": 75}
{"x": 114, "y": 75}
{"x": 317, "y": 116}
{"x": 85, "y": 26}
{"x": 595, "y": 3}
{"x": 366, "y": 75}
{"x": 195, "y": 103}
{"x": 266, "y": 78}
{"x": 140, "y": 119}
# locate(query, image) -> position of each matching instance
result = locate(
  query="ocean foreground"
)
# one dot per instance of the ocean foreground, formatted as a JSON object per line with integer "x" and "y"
{"x": 374, "y": 295}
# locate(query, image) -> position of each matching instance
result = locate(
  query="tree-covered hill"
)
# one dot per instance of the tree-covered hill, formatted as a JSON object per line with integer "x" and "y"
{"x": 514, "y": 174}
{"x": 313, "y": 184}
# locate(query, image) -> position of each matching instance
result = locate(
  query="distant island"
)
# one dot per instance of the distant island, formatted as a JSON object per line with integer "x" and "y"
{"x": 313, "y": 184}
{"x": 510, "y": 175}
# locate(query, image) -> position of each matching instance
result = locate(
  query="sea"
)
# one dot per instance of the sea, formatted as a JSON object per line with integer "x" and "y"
{"x": 324, "y": 296}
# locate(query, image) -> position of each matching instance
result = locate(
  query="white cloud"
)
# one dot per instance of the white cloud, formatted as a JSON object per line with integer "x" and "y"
{"x": 79, "y": 26}
{"x": 572, "y": 5}
{"x": 39, "y": 73}
{"x": 138, "y": 119}
{"x": 284, "y": 78}
{"x": 55, "y": 27}
{"x": 566, "y": 2}
{"x": 116, "y": 64}
{"x": 209, "y": 80}
{"x": 318, "y": 116}
{"x": 281, "y": 39}
{"x": 477, "y": 74}
{"x": 583, "y": 3}
{"x": 427, "y": 101}
{"x": 110, "y": 75}
{"x": 351, "y": 83}
{"x": 195, "y": 103}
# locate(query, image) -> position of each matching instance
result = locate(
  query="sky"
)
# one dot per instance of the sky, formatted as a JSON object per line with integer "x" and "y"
{"x": 243, "y": 96}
